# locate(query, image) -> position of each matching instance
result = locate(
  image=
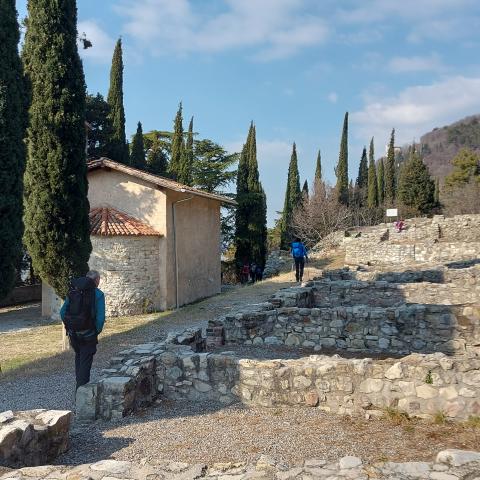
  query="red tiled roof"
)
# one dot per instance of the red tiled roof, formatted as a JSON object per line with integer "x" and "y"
{"x": 107, "y": 221}
{"x": 155, "y": 179}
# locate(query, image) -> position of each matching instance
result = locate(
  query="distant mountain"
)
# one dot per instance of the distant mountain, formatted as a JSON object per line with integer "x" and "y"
{"x": 440, "y": 146}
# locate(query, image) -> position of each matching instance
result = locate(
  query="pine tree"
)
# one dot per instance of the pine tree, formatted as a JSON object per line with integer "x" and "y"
{"x": 390, "y": 174}
{"x": 56, "y": 204}
{"x": 372, "y": 199}
{"x": 305, "y": 192}
{"x": 12, "y": 150}
{"x": 466, "y": 167}
{"x": 100, "y": 126}
{"x": 381, "y": 182}
{"x": 342, "y": 167}
{"x": 251, "y": 213}
{"x": 118, "y": 149}
{"x": 416, "y": 187}
{"x": 177, "y": 145}
{"x": 318, "y": 169}
{"x": 137, "y": 156}
{"x": 186, "y": 164}
{"x": 293, "y": 197}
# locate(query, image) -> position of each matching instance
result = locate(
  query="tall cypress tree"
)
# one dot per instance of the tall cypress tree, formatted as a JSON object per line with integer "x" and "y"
{"x": 177, "y": 145}
{"x": 293, "y": 198}
{"x": 318, "y": 168}
{"x": 251, "y": 213}
{"x": 416, "y": 187}
{"x": 342, "y": 166}
{"x": 56, "y": 204}
{"x": 389, "y": 180}
{"x": 372, "y": 196}
{"x": 12, "y": 150}
{"x": 305, "y": 191}
{"x": 117, "y": 149}
{"x": 137, "y": 157}
{"x": 186, "y": 164}
{"x": 381, "y": 182}
{"x": 361, "y": 184}
{"x": 437, "y": 192}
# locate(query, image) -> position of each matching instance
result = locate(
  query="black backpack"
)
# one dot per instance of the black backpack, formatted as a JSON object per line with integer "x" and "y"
{"x": 80, "y": 313}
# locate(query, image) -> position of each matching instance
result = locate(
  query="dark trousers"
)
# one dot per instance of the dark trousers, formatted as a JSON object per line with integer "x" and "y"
{"x": 299, "y": 266}
{"x": 84, "y": 350}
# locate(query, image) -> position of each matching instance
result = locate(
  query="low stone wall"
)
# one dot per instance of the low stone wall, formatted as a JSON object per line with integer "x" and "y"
{"x": 420, "y": 385}
{"x": 396, "y": 330}
{"x": 448, "y": 465}
{"x": 28, "y": 293}
{"x": 129, "y": 273}
{"x": 363, "y": 251}
{"x": 33, "y": 437}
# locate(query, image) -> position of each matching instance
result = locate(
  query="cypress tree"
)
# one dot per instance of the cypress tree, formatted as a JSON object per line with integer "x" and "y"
{"x": 251, "y": 213}
{"x": 118, "y": 149}
{"x": 137, "y": 157}
{"x": 177, "y": 145}
{"x": 390, "y": 172}
{"x": 156, "y": 161}
{"x": 361, "y": 184}
{"x": 381, "y": 182}
{"x": 437, "y": 192}
{"x": 305, "y": 192}
{"x": 416, "y": 187}
{"x": 56, "y": 204}
{"x": 342, "y": 166}
{"x": 186, "y": 165}
{"x": 293, "y": 197}
{"x": 372, "y": 199}
{"x": 318, "y": 169}
{"x": 12, "y": 150}
{"x": 100, "y": 131}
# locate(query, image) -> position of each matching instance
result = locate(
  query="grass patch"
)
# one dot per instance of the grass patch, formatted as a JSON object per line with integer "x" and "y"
{"x": 396, "y": 416}
{"x": 440, "y": 418}
{"x": 473, "y": 421}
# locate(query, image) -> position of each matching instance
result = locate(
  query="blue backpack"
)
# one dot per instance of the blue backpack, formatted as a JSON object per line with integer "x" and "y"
{"x": 298, "y": 250}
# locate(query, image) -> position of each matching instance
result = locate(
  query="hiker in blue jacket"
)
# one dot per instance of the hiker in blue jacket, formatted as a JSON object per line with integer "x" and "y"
{"x": 299, "y": 254}
{"x": 83, "y": 314}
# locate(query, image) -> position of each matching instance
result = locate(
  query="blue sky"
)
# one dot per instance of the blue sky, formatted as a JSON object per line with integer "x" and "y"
{"x": 293, "y": 67}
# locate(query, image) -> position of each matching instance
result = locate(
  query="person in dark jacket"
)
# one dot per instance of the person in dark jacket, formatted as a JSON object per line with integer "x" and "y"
{"x": 84, "y": 343}
{"x": 299, "y": 254}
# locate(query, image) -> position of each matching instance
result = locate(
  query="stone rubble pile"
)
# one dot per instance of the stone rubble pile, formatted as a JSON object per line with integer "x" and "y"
{"x": 448, "y": 465}
{"x": 33, "y": 437}
{"x": 276, "y": 261}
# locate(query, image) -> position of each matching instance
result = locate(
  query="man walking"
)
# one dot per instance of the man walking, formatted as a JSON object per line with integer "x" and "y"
{"x": 83, "y": 314}
{"x": 299, "y": 253}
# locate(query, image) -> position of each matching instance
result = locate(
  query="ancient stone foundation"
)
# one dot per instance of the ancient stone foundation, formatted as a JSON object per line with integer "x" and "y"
{"x": 448, "y": 465}
{"x": 33, "y": 437}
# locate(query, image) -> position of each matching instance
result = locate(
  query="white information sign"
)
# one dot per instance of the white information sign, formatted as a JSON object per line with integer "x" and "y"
{"x": 392, "y": 212}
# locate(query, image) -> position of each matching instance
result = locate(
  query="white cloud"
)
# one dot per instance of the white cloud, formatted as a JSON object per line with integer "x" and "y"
{"x": 102, "y": 44}
{"x": 417, "y": 109}
{"x": 332, "y": 97}
{"x": 271, "y": 28}
{"x": 430, "y": 63}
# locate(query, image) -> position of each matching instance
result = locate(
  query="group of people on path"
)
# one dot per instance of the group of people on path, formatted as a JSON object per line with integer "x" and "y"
{"x": 252, "y": 272}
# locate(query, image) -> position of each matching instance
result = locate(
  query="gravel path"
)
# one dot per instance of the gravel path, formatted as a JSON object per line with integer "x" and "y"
{"x": 209, "y": 433}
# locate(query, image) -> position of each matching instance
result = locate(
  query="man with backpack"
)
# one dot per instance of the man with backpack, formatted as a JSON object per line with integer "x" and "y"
{"x": 83, "y": 314}
{"x": 299, "y": 254}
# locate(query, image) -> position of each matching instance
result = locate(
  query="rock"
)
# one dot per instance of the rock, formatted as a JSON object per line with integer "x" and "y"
{"x": 311, "y": 399}
{"x": 111, "y": 466}
{"x": 457, "y": 458}
{"x": 394, "y": 372}
{"x": 292, "y": 340}
{"x": 349, "y": 462}
{"x": 426, "y": 391}
{"x": 201, "y": 386}
{"x": 371, "y": 385}
{"x": 6, "y": 416}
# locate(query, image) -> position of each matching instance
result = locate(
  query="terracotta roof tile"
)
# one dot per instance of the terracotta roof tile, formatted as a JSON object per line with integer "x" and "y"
{"x": 107, "y": 221}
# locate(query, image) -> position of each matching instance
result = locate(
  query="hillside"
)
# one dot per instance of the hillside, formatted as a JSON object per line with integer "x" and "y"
{"x": 441, "y": 145}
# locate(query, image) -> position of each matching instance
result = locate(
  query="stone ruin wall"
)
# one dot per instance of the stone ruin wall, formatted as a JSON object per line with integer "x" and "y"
{"x": 421, "y": 385}
{"x": 433, "y": 240}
